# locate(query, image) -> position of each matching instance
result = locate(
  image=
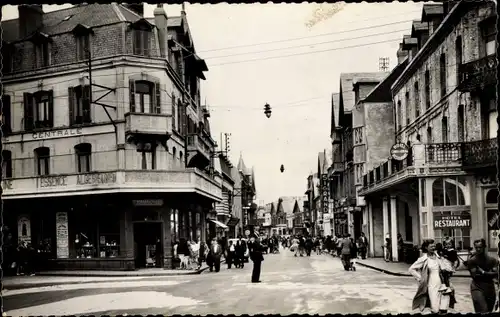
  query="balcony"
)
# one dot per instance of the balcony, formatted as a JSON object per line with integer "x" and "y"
{"x": 480, "y": 154}
{"x": 424, "y": 160}
{"x": 148, "y": 124}
{"x": 199, "y": 151}
{"x": 477, "y": 74}
{"x": 118, "y": 181}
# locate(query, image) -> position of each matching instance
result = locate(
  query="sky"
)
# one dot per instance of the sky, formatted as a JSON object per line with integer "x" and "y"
{"x": 291, "y": 57}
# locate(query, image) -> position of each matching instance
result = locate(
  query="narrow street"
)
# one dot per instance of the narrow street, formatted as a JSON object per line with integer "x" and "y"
{"x": 315, "y": 285}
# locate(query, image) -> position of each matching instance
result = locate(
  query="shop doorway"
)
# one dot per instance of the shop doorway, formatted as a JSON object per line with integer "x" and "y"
{"x": 148, "y": 246}
{"x": 358, "y": 223}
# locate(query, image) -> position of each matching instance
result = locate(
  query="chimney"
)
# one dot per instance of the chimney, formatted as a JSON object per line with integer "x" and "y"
{"x": 402, "y": 54}
{"x": 137, "y": 8}
{"x": 161, "y": 23}
{"x": 30, "y": 19}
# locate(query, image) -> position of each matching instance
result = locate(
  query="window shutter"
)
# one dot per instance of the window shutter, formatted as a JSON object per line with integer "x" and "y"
{"x": 51, "y": 108}
{"x": 86, "y": 104}
{"x": 131, "y": 85}
{"x": 28, "y": 111}
{"x": 71, "y": 103}
{"x": 158, "y": 98}
{"x": 174, "y": 116}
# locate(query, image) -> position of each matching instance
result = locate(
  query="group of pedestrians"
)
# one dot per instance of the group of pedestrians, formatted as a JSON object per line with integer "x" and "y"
{"x": 21, "y": 258}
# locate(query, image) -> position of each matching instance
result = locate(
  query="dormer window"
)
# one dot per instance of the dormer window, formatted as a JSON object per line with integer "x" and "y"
{"x": 489, "y": 34}
{"x": 142, "y": 30}
{"x": 42, "y": 48}
{"x": 82, "y": 36}
{"x": 6, "y": 57}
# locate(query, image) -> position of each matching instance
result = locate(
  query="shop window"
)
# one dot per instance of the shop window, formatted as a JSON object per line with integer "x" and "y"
{"x": 492, "y": 197}
{"x": 448, "y": 192}
{"x": 84, "y": 228}
{"x": 174, "y": 225}
{"x": 42, "y": 160}
{"x": 83, "y": 156}
{"x": 6, "y": 164}
{"x": 109, "y": 236}
{"x": 79, "y": 105}
{"x": 460, "y": 236}
{"x": 493, "y": 227}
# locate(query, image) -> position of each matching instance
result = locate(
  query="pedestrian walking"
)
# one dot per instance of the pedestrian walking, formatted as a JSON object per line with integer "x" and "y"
{"x": 214, "y": 255}
{"x": 354, "y": 255}
{"x": 427, "y": 271}
{"x": 363, "y": 245}
{"x": 483, "y": 269}
{"x": 338, "y": 246}
{"x": 346, "y": 252}
{"x": 257, "y": 257}
{"x": 387, "y": 250}
{"x": 231, "y": 255}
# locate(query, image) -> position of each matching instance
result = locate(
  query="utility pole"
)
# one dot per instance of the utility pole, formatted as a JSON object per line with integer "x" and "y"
{"x": 383, "y": 64}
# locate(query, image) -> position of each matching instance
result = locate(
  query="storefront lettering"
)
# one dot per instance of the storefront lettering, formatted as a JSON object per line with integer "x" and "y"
{"x": 451, "y": 222}
{"x": 55, "y": 134}
{"x": 96, "y": 178}
{"x": 7, "y": 184}
{"x": 52, "y": 181}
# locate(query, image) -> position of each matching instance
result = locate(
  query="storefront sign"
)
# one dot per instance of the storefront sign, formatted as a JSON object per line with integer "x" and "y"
{"x": 56, "y": 134}
{"x": 148, "y": 202}
{"x": 24, "y": 229}
{"x": 7, "y": 184}
{"x": 399, "y": 151}
{"x": 62, "y": 237}
{"x": 460, "y": 221}
{"x": 96, "y": 178}
{"x": 52, "y": 181}
{"x": 325, "y": 193}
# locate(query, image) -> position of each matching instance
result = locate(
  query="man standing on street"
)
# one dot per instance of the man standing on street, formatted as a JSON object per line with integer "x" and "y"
{"x": 256, "y": 256}
{"x": 363, "y": 245}
{"x": 346, "y": 252}
{"x": 241, "y": 250}
{"x": 215, "y": 255}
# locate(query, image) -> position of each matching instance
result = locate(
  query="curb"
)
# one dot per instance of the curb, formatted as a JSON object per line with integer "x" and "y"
{"x": 400, "y": 273}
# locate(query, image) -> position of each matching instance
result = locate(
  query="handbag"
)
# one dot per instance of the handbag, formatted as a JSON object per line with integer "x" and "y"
{"x": 13, "y": 265}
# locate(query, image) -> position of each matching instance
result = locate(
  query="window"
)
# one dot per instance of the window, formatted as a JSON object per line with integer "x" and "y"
{"x": 458, "y": 56}
{"x": 399, "y": 115}
{"x": 145, "y": 97}
{"x": 427, "y": 83}
{"x": 6, "y": 115}
{"x": 7, "y": 59}
{"x": 173, "y": 112}
{"x": 461, "y": 236}
{"x": 442, "y": 74}
{"x": 488, "y": 32}
{"x": 422, "y": 193}
{"x": 83, "y": 155}
{"x": 141, "y": 42}
{"x": 79, "y": 105}
{"x": 43, "y": 55}
{"x": 416, "y": 91}
{"x": 82, "y": 47}
{"x": 181, "y": 156}
{"x": 38, "y": 110}
{"x": 449, "y": 192}
{"x": 444, "y": 130}
{"x": 358, "y": 135}
{"x": 461, "y": 123}
{"x": 42, "y": 157}
{"x": 408, "y": 107}
{"x": 181, "y": 117}
{"x": 6, "y": 164}
{"x": 429, "y": 135}
{"x": 148, "y": 155}
{"x": 174, "y": 152}
{"x": 359, "y": 173}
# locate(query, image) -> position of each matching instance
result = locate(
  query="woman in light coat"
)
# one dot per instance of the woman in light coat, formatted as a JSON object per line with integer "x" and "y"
{"x": 426, "y": 271}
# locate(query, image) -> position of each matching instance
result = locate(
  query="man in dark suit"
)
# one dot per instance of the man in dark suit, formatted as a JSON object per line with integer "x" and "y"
{"x": 241, "y": 249}
{"x": 256, "y": 256}
{"x": 215, "y": 255}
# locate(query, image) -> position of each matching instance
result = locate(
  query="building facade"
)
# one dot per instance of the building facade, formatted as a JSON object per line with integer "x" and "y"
{"x": 445, "y": 114}
{"x": 246, "y": 192}
{"x": 98, "y": 107}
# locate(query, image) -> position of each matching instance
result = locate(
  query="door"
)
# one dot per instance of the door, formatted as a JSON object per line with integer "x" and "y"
{"x": 148, "y": 245}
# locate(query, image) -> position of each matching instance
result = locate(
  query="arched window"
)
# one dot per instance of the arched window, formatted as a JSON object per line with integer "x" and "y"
{"x": 492, "y": 196}
{"x": 6, "y": 164}
{"x": 83, "y": 153}
{"x": 448, "y": 192}
{"x": 42, "y": 160}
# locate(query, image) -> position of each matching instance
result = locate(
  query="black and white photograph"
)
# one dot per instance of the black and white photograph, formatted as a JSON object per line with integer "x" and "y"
{"x": 249, "y": 158}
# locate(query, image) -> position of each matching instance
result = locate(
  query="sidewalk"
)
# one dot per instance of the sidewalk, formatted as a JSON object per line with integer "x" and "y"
{"x": 396, "y": 268}
{"x": 48, "y": 278}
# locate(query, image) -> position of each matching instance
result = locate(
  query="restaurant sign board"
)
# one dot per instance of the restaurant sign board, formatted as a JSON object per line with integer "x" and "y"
{"x": 455, "y": 221}
{"x": 399, "y": 151}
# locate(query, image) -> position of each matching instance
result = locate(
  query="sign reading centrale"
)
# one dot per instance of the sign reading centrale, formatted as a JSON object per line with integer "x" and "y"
{"x": 399, "y": 151}
{"x": 460, "y": 221}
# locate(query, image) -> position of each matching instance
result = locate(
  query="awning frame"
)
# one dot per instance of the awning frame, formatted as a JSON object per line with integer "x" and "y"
{"x": 218, "y": 223}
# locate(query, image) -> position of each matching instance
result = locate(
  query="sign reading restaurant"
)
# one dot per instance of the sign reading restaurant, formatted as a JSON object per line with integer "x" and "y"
{"x": 460, "y": 221}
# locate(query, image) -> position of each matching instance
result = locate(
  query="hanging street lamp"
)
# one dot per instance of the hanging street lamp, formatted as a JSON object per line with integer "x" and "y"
{"x": 267, "y": 110}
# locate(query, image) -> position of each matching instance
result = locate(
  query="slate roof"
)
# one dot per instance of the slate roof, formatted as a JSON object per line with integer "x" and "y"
{"x": 321, "y": 161}
{"x": 287, "y": 204}
{"x": 335, "y": 112}
{"x": 432, "y": 9}
{"x": 382, "y": 92}
{"x": 91, "y": 15}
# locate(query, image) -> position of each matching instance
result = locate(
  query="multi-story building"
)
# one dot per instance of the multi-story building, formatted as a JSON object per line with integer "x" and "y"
{"x": 245, "y": 190}
{"x": 310, "y": 192}
{"x": 347, "y": 159}
{"x": 445, "y": 107}
{"x": 98, "y": 106}
{"x": 225, "y": 220}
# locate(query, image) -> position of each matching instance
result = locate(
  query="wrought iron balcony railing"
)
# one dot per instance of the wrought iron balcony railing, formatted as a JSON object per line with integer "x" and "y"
{"x": 479, "y": 154}
{"x": 477, "y": 74}
{"x": 443, "y": 152}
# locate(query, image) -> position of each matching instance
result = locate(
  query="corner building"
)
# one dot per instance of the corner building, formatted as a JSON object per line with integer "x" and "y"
{"x": 104, "y": 169}
{"x": 445, "y": 112}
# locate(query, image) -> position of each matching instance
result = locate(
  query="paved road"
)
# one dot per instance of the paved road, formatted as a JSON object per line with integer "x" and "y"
{"x": 315, "y": 285}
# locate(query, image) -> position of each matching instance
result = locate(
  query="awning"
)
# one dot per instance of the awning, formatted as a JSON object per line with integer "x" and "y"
{"x": 218, "y": 223}
{"x": 233, "y": 221}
